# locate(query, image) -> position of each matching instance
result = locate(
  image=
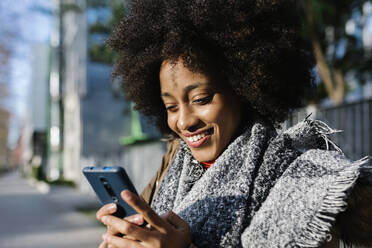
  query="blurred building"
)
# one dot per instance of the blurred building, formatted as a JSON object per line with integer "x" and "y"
{"x": 112, "y": 133}
{"x": 67, "y": 84}
{"x": 36, "y": 122}
{"x": 4, "y": 151}
{"x": 78, "y": 118}
{"x": 73, "y": 80}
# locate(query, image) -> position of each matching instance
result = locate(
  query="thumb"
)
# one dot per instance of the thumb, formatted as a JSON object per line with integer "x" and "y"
{"x": 175, "y": 220}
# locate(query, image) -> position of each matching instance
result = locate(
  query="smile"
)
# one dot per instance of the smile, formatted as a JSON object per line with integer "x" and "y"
{"x": 198, "y": 139}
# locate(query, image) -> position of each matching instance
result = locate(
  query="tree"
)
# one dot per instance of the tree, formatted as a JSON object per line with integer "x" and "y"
{"x": 101, "y": 52}
{"x": 6, "y": 38}
{"x": 10, "y": 32}
{"x": 5, "y": 51}
{"x": 4, "y": 71}
{"x": 336, "y": 51}
{"x": 4, "y": 118}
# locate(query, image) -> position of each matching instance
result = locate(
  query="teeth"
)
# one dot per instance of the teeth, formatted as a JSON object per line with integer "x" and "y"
{"x": 197, "y": 137}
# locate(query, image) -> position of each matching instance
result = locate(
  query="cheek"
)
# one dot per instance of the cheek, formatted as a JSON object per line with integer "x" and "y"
{"x": 211, "y": 114}
{"x": 227, "y": 121}
{"x": 172, "y": 120}
{"x": 219, "y": 118}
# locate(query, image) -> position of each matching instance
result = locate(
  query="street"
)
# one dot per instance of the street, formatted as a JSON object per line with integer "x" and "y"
{"x": 36, "y": 216}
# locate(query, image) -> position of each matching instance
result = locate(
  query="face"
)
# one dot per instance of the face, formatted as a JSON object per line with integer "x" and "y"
{"x": 202, "y": 113}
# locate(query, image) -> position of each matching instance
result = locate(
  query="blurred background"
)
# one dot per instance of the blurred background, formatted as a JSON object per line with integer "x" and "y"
{"x": 60, "y": 111}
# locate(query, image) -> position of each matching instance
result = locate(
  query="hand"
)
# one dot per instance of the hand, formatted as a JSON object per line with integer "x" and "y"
{"x": 110, "y": 209}
{"x": 166, "y": 231}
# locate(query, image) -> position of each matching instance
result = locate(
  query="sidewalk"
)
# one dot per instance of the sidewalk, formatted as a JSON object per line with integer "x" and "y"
{"x": 36, "y": 216}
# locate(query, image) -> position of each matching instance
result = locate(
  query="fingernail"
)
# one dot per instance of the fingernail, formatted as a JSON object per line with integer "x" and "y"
{"x": 138, "y": 220}
{"x": 112, "y": 206}
{"x": 126, "y": 195}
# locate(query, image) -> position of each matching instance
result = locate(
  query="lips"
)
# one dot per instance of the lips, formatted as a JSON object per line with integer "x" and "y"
{"x": 199, "y": 138}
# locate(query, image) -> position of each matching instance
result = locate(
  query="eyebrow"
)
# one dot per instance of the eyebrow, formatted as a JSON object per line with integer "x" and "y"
{"x": 187, "y": 89}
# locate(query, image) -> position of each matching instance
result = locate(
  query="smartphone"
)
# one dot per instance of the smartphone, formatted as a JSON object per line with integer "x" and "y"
{"x": 108, "y": 182}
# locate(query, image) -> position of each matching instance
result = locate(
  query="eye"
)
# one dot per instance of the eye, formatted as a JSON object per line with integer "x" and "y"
{"x": 203, "y": 100}
{"x": 171, "y": 108}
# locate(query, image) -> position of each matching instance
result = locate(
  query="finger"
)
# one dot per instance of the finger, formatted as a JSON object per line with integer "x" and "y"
{"x": 120, "y": 242}
{"x": 135, "y": 219}
{"x": 148, "y": 214}
{"x": 124, "y": 227}
{"x": 112, "y": 230}
{"x": 103, "y": 244}
{"x": 175, "y": 220}
{"x": 106, "y": 210}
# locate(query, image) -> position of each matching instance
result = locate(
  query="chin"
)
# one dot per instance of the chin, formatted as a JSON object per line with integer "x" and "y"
{"x": 204, "y": 156}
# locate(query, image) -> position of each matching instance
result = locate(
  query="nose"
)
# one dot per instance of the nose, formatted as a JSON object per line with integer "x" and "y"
{"x": 187, "y": 119}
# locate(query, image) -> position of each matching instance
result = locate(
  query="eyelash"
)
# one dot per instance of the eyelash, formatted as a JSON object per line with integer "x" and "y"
{"x": 202, "y": 101}
{"x": 170, "y": 108}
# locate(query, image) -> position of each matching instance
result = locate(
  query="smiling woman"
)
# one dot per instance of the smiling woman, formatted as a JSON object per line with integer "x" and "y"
{"x": 199, "y": 111}
{"x": 218, "y": 76}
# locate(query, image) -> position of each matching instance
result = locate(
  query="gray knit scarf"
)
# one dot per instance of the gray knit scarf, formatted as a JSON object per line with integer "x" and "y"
{"x": 265, "y": 190}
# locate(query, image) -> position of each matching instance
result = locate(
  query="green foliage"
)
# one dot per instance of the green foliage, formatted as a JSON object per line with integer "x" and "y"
{"x": 101, "y": 53}
{"x": 37, "y": 173}
{"x": 63, "y": 182}
{"x": 96, "y": 3}
{"x": 118, "y": 12}
{"x": 99, "y": 27}
{"x": 66, "y": 7}
{"x": 329, "y": 13}
{"x": 325, "y": 21}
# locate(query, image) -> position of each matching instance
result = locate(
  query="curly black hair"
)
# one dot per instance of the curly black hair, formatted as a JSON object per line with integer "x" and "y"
{"x": 253, "y": 44}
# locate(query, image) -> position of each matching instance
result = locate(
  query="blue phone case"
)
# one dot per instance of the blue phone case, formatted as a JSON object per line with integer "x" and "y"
{"x": 108, "y": 182}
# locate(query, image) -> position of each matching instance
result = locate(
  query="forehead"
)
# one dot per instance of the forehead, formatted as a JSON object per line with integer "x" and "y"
{"x": 175, "y": 76}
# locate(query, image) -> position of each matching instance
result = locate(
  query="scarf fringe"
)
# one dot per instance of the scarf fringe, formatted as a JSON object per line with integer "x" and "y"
{"x": 323, "y": 130}
{"x": 334, "y": 202}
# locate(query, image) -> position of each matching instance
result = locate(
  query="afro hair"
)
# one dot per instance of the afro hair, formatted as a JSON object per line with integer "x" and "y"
{"x": 255, "y": 45}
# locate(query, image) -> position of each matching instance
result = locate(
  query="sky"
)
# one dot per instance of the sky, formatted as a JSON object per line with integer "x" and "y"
{"x": 31, "y": 20}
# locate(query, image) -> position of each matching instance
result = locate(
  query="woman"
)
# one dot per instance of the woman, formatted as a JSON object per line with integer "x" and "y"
{"x": 218, "y": 76}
